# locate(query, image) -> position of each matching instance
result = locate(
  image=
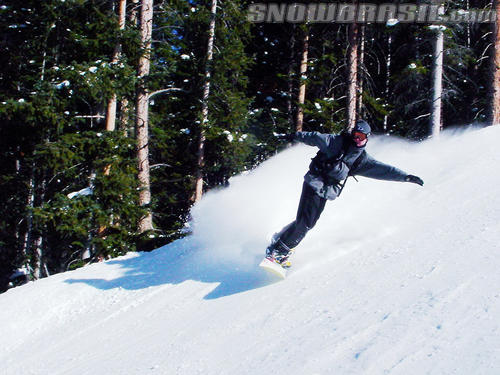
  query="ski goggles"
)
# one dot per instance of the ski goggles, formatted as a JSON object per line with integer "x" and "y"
{"x": 358, "y": 136}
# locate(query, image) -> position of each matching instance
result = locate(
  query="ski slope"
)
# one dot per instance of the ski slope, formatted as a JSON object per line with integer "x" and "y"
{"x": 394, "y": 279}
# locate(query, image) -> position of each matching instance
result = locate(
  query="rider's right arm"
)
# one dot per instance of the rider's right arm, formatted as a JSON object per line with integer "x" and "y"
{"x": 320, "y": 140}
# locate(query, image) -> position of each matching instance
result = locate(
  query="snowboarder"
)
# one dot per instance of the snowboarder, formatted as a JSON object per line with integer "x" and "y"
{"x": 339, "y": 157}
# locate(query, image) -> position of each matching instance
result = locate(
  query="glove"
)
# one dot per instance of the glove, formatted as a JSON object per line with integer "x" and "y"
{"x": 414, "y": 179}
{"x": 285, "y": 137}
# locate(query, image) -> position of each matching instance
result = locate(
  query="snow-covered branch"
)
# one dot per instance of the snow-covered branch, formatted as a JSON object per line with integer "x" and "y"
{"x": 163, "y": 91}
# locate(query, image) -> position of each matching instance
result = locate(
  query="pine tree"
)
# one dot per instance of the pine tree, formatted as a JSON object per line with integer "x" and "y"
{"x": 56, "y": 106}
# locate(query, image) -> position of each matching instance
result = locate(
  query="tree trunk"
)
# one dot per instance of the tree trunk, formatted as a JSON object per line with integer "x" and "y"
{"x": 111, "y": 107}
{"x": 289, "y": 99}
{"x": 387, "y": 78}
{"x": 124, "y": 117}
{"x": 494, "y": 115}
{"x": 467, "y": 7}
{"x": 28, "y": 235}
{"x": 352, "y": 75}
{"x": 18, "y": 235}
{"x": 303, "y": 78}
{"x": 38, "y": 255}
{"x": 125, "y": 127}
{"x": 134, "y": 19}
{"x": 359, "y": 100}
{"x": 437, "y": 82}
{"x": 39, "y": 265}
{"x": 204, "y": 106}
{"x": 142, "y": 122}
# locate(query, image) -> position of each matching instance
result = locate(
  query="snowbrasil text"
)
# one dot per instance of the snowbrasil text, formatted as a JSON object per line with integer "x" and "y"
{"x": 389, "y": 13}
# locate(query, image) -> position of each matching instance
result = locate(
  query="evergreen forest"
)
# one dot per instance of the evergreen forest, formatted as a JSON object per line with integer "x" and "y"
{"x": 116, "y": 116}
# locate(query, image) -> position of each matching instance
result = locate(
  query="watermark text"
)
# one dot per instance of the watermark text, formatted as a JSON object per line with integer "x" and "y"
{"x": 364, "y": 13}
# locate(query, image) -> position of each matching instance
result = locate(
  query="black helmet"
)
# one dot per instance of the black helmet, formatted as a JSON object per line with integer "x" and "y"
{"x": 362, "y": 127}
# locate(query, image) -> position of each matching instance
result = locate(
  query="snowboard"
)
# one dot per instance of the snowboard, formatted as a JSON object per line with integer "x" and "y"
{"x": 273, "y": 268}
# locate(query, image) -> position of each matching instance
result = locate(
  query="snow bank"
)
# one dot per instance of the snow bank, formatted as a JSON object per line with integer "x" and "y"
{"x": 395, "y": 279}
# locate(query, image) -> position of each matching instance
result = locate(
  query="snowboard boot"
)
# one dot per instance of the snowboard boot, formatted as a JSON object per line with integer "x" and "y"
{"x": 279, "y": 253}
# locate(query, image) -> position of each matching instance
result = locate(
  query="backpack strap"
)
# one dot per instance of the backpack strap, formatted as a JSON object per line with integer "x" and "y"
{"x": 357, "y": 162}
{"x": 353, "y": 167}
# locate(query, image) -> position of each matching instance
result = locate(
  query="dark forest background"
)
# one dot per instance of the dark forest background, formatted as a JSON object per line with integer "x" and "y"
{"x": 69, "y": 186}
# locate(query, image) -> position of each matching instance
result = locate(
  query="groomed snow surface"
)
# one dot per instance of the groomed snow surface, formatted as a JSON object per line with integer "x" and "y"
{"x": 394, "y": 279}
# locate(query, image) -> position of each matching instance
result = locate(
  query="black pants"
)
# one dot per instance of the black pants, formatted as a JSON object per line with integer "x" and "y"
{"x": 311, "y": 206}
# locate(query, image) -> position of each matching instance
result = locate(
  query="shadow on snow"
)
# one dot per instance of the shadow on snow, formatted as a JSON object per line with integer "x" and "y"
{"x": 179, "y": 262}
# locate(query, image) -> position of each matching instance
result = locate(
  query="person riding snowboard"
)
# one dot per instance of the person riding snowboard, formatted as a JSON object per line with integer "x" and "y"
{"x": 339, "y": 157}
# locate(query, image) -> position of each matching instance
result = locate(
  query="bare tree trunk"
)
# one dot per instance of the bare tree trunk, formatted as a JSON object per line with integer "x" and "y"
{"x": 40, "y": 268}
{"x": 28, "y": 235}
{"x": 303, "y": 78}
{"x": 437, "y": 83}
{"x": 39, "y": 265}
{"x": 37, "y": 268}
{"x": 111, "y": 107}
{"x": 204, "y": 105}
{"x": 494, "y": 115}
{"x": 142, "y": 121}
{"x": 352, "y": 75}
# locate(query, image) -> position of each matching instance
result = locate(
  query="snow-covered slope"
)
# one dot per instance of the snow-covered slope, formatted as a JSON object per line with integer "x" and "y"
{"x": 395, "y": 279}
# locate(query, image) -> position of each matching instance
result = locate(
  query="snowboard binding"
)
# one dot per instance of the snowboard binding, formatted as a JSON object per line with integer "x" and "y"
{"x": 279, "y": 253}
